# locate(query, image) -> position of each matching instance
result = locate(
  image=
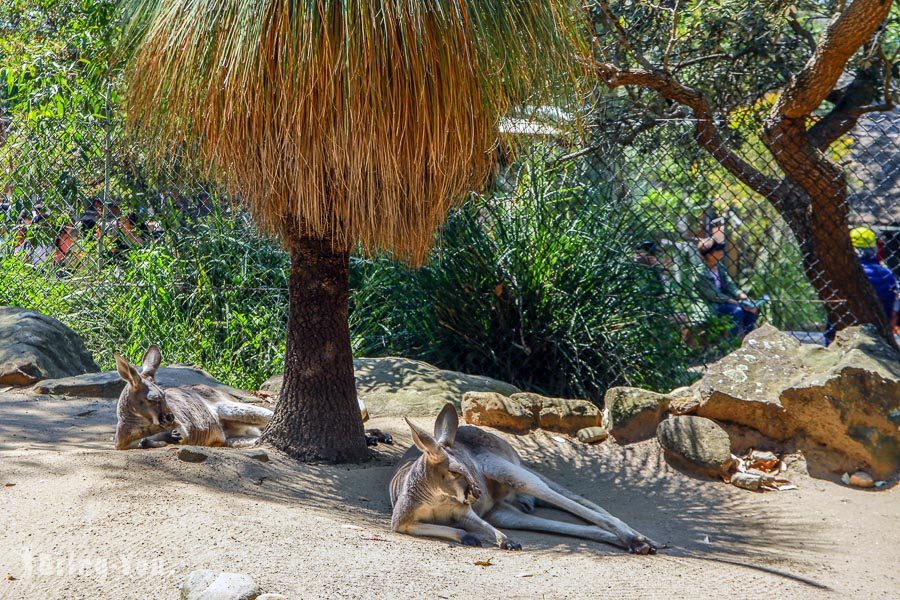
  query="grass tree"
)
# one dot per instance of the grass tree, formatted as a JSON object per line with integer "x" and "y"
{"x": 341, "y": 125}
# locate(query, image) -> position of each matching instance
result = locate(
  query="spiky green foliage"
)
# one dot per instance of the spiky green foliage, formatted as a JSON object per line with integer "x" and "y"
{"x": 359, "y": 122}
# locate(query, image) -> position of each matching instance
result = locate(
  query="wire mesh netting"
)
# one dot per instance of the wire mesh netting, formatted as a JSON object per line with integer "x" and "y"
{"x": 580, "y": 268}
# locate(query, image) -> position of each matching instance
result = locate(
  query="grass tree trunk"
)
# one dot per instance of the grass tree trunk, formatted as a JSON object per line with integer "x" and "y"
{"x": 317, "y": 417}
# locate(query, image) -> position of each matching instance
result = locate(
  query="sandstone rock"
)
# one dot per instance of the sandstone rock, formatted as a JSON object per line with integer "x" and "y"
{"x": 108, "y": 384}
{"x": 634, "y": 413}
{"x": 562, "y": 414}
{"x": 862, "y": 479}
{"x": 696, "y": 444}
{"x": 271, "y": 597}
{"x": 684, "y": 400}
{"x": 524, "y": 411}
{"x": 209, "y": 585}
{"x": 840, "y": 398}
{"x": 35, "y": 347}
{"x": 192, "y": 454}
{"x": 489, "y": 409}
{"x": 745, "y": 386}
{"x": 592, "y": 435}
{"x": 257, "y": 454}
{"x": 404, "y": 387}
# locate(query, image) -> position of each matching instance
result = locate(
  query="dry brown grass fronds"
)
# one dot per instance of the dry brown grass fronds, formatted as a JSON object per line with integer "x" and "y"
{"x": 352, "y": 121}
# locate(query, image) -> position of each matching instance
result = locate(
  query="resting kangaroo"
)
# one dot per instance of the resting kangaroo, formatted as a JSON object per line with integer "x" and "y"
{"x": 150, "y": 417}
{"x": 463, "y": 483}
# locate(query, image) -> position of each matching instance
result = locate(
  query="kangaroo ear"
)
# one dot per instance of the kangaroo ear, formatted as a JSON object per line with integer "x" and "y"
{"x": 150, "y": 362}
{"x": 446, "y": 425}
{"x": 423, "y": 440}
{"x": 128, "y": 372}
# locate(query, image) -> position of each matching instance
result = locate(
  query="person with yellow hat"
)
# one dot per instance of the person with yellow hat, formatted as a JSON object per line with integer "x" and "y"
{"x": 883, "y": 281}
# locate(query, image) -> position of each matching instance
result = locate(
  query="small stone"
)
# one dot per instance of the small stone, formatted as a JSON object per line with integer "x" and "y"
{"x": 192, "y": 454}
{"x": 862, "y": 479}
{"x": 209, "y": 585}
{"x": 747, "y": 481}
{"x": 696, "y": 444}
{"x": 258, "y": 454}
{"x": 592, "y": 435}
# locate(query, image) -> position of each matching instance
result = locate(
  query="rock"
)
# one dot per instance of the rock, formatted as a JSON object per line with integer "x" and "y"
{"x": 747, "y": 481}
{"x": 192, "y": 454}
{"x": 35, "y": 347}
{"x": 684, "y": 400}
{"x": 562, "y": 414}
{"x": 524, "y": 411}
{"x": 491, "y": 409}
{"x": 592, "y": 435}
{"x": 862, "y": 479}
{"x": 403, "y": 387}
{"x": 257, "y": 454}
{"x": 209, "y": 585}
{"x": 696, "y": 444}
{"x": 634, "y": 413}
{"x": 109, "y": 385}
{"x": 271, "y": 597}
{"x": 745, "y": 386}
{"x": 839, "y": 399}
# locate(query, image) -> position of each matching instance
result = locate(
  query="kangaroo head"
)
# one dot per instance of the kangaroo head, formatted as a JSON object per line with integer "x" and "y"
{"x": 142, "y": 397}
{"x": 447, "y": 471}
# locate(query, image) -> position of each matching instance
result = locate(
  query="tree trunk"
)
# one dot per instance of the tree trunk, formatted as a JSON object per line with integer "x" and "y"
{"x": 830, "y": 261}
{"x": 317, "y": 417}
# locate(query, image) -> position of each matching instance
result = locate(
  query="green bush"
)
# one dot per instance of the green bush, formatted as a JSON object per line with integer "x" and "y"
{"x": 211, "y": 295}
{"x": 538, "y": 287}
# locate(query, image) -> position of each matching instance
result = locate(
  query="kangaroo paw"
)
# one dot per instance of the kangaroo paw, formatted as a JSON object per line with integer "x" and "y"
{"x": 509, "y": 544}
{"x": 470, "y": 540}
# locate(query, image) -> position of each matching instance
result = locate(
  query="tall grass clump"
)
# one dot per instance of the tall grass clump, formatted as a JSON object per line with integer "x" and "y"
{"x": 536, "y": 285}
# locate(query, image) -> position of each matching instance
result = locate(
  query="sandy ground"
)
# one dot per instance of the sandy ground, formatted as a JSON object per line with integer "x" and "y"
{"x": 80, "y": 520}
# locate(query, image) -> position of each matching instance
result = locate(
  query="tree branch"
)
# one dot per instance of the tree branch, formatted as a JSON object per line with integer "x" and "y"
{"x": 705, "y": 131}
{"x": 841, "y": 39}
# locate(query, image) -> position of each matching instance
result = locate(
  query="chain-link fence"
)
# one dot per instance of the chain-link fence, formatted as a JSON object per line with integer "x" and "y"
{"x": 128, "y": 256}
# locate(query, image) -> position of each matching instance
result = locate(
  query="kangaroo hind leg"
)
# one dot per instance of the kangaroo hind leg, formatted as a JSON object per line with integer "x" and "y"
{"x": 528, "y": 482}
{"x": 248, "y": 414}
{"x": 510, "y": 517}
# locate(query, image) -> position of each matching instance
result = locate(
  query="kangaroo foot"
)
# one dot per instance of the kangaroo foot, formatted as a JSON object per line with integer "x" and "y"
{"x": 470, "y": 540}
{"x": 374, "y": 436}
{"x": 642, "y": 545}
{"x": 509, "y": 544}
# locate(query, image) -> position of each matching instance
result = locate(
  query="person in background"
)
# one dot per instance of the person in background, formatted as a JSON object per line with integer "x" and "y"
{"x": 716, "y": 287}
{"x": 883, "y": 281}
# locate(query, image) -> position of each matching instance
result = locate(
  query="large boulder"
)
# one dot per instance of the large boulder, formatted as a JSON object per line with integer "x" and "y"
{"x": 745, "y": 386}
{"x": 524, "y": 411}
{"x": 634, "y": 413}
{"x": 35, "y": 347}
{"x": 840, "y": 398}
{"x": 108, "y": 384}
{"x": 696, "y": 444}
{"x": 404, "y": 387}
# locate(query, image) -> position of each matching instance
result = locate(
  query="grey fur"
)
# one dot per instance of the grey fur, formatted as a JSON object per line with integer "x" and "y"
{"x": 462, "y": 483}
{"x": 150, "y": 417}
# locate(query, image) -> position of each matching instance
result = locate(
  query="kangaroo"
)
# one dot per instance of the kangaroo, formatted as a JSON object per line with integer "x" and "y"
{"x": 462, "y": 483}
{"x": 150, "y": 417}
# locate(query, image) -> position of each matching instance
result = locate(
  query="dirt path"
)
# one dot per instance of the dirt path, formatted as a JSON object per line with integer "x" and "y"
{"x": 85, "y": 521}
